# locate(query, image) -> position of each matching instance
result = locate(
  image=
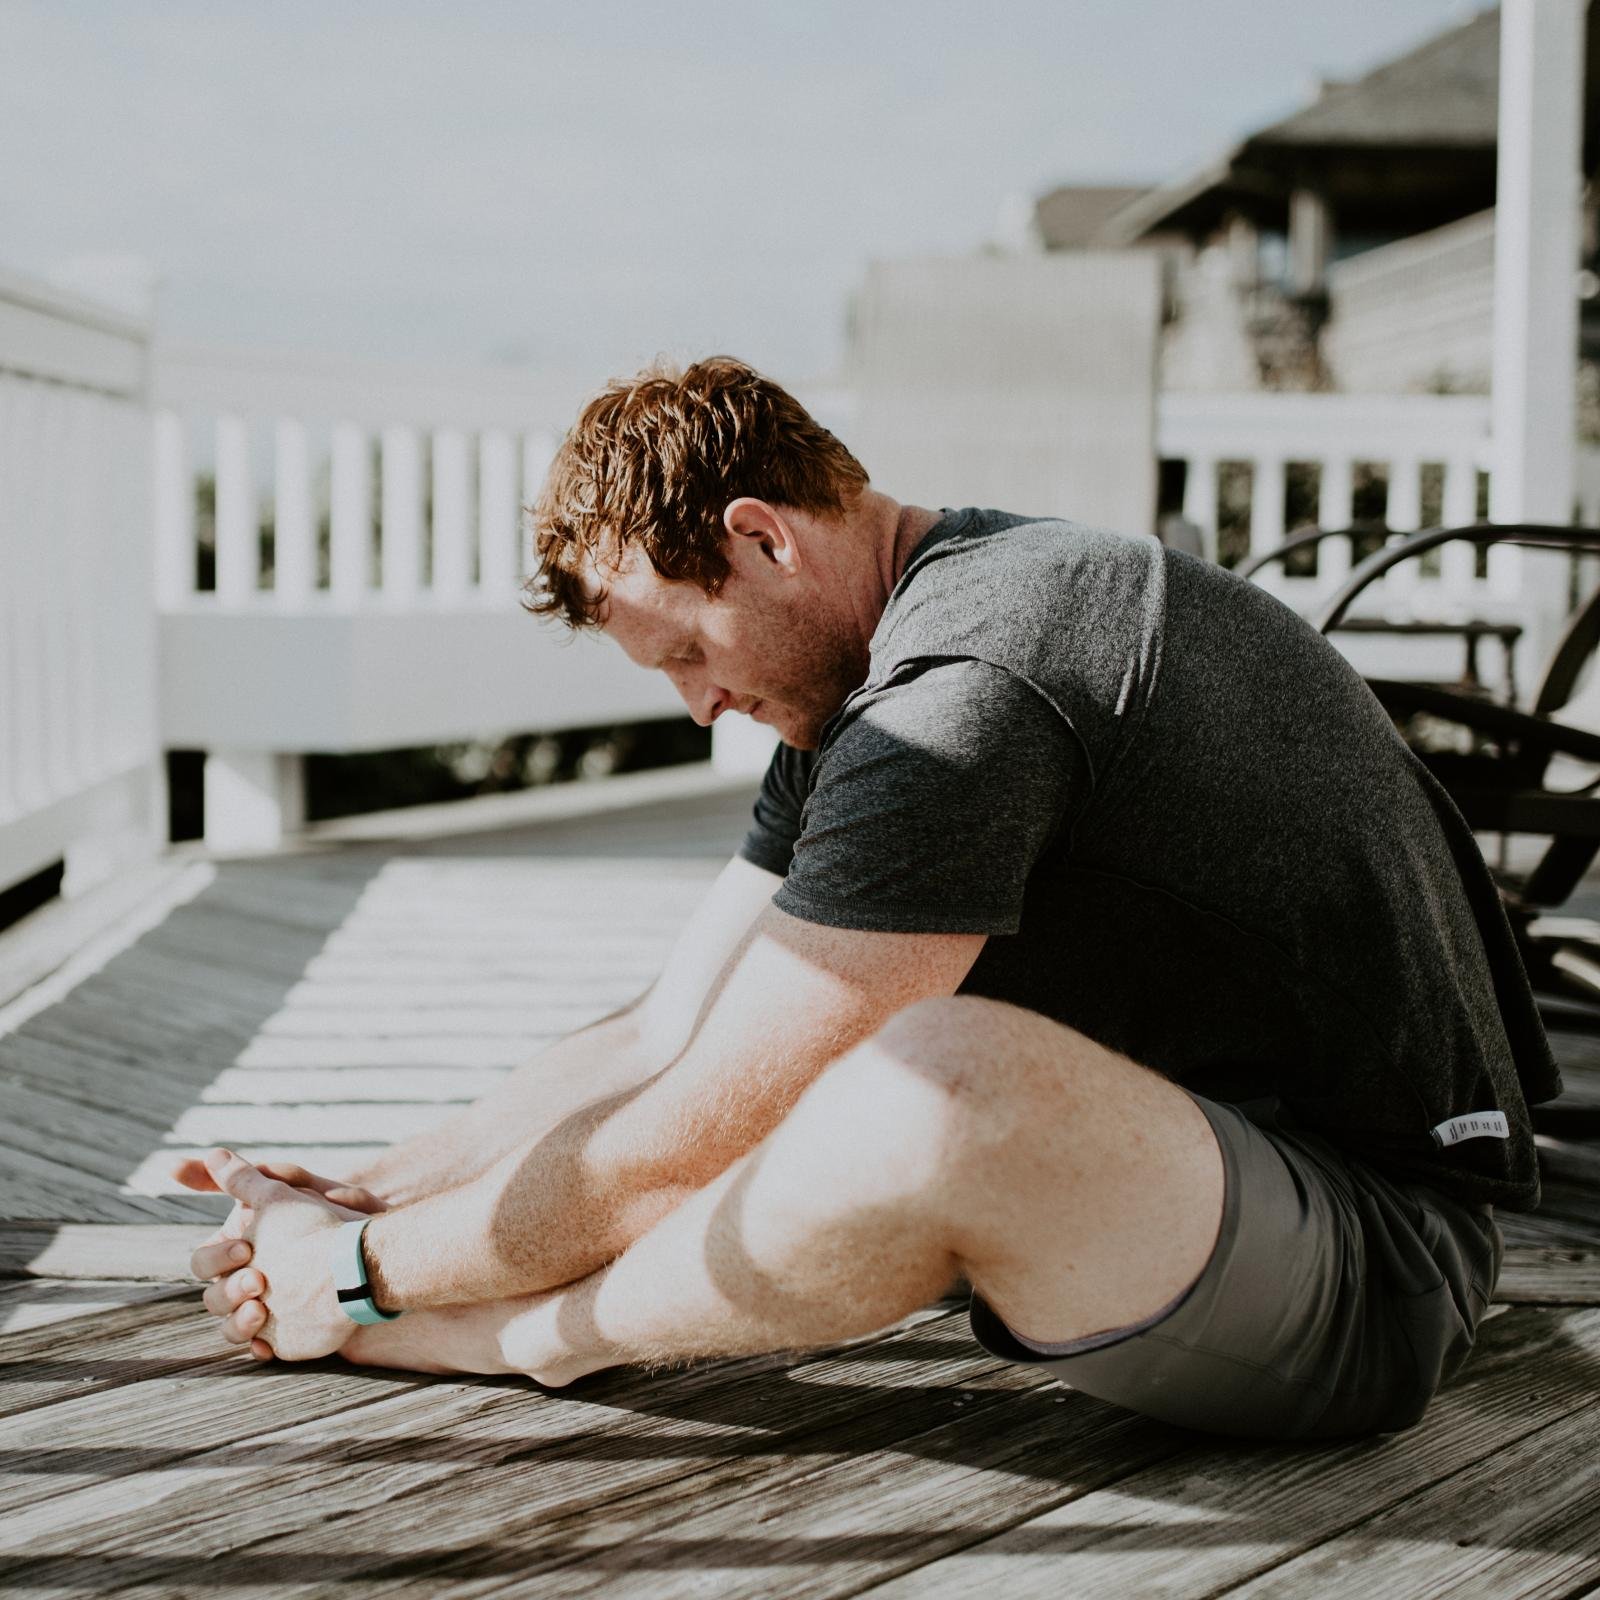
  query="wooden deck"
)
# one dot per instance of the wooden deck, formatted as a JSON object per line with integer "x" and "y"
{"x": 325, "y": 1001}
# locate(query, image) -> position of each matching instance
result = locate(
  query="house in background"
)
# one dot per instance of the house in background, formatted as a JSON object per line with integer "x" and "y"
{"x": 1348, "y": 247}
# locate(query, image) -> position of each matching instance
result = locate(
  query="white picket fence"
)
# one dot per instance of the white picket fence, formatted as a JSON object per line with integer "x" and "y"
{"x": 387, "y": 615}
{"x": 81, "y": 774}
{"x": 412, "y": 481}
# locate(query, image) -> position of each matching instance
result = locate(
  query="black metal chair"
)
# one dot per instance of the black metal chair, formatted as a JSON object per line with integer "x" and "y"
{"x": 1503, "y": 783}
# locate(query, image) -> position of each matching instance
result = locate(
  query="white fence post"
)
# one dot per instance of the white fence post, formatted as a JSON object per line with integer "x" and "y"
{"x": 238, "y": 549}
{"x": 1404, "y": 516}
{"x": 1538, "y": 188}
{"x": 26, "y": 591}
{"x": 80, "y": 769}
{"x": 498, "y": 522}
{"x": 1200, "y": 501}
{"x": 452, "y": 525}
{"x": 12, "y": 414}
{"x": 538, "y": 450}
{"x": 402, "y": 516}
{"x": 1266, "y": 517}
{"x": 294, "y": 551}
{"x": 173, "y": 492}
{"x": 1335, "y": 491}
{"x": 350, "y": 516}
{"x": 252, "y": 798}
{"x": 78, "y": 749}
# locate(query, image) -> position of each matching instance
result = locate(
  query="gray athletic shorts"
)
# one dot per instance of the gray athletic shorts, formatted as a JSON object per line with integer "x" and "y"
{"x": 1335, "y": 1302}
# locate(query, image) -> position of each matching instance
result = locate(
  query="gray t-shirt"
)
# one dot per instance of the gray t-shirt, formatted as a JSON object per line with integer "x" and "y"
{"x": 1190, "y": 831}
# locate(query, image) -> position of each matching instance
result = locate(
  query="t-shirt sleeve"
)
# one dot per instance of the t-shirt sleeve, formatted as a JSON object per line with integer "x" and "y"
{"x": 775, "y": 825}
{"x": 930, "y": 805}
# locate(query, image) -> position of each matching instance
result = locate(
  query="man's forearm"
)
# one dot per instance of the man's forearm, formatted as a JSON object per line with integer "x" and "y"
{"x": 567, "y": 1203}
{"x": 795, "y": 998}
{"x": 540, "y": 1215}
{"x": 596, "y": 1062}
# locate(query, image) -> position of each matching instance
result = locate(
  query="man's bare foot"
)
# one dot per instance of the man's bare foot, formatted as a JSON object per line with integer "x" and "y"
{"x": 438, "y": 1339}
{"x": 495, "y": 1338}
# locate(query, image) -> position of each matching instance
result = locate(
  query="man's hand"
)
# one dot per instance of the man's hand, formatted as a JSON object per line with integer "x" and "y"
{"x": 284, "y": 1302}
{"x": 227, "y": 1252}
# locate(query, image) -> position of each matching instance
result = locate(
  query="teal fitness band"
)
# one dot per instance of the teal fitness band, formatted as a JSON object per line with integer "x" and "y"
{"x": 350, "y": 1275}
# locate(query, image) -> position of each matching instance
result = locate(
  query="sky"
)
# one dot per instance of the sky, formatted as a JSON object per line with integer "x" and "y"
{"x": 582, "y": 187}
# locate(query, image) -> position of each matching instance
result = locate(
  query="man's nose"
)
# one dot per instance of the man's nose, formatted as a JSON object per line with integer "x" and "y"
{"x": 706, "y": 704}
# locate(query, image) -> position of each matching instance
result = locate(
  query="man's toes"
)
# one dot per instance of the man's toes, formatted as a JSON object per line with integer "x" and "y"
{"x": 261, "y": 1350}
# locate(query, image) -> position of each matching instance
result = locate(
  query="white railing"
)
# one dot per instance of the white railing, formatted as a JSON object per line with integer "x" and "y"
{"x": 80, "y": 759}
{"x": 1432, "y": 455}
{"x": 1238, "y": 450}
{"x": 379, "y": 487}
{"x": 366, "y": 559}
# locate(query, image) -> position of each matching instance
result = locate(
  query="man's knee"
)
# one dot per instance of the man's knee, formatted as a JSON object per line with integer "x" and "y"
{"x": 1007, "y": 1088}
{"x": 989, "y": 1057}
{"x": 954, "y": 1081}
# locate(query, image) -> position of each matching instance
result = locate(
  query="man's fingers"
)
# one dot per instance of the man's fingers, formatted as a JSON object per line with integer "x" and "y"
{"x": 237, "y": 1223}
{"x": 193, "y": 1173}
{"x": 350, "y": 1195}
{"x": 215, "y": 1257}
{"x": 293, "y": 1174}
{"x": 245, "y": 1323}
{"x": 221, "y": 1298}
{"x": 236, "y": 1176}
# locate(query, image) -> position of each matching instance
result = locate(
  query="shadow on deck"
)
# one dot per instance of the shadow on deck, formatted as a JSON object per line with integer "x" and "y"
{"x": 322, "y": 1002}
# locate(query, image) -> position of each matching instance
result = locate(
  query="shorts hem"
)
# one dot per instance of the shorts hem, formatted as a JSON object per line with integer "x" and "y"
{"x": 1000, "y": 1339}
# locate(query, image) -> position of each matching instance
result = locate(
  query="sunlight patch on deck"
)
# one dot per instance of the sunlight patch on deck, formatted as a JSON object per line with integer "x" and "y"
{"x": 443, "y": 976}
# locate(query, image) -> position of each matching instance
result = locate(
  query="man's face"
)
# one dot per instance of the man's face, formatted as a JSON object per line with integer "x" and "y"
{"x": 768, "y": 645}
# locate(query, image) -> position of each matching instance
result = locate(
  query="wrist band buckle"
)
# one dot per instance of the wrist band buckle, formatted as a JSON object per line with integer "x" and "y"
{"x": 350, "y": 1281}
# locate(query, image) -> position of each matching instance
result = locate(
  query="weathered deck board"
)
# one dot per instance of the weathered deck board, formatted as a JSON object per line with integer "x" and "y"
{"x": 1521, "y": 1523}
{"x": 506, "y": 1446}
{"x": 28, "y": 1303}
{"x": 317, "y": 1000}
{"x": 739, "y": 1484}
{"x": 1223, "y": 1514}
{"x": 420, "y": 974}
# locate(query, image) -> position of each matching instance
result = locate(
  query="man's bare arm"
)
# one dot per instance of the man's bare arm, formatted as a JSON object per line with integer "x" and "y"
{"x": 793, "y": 998}
{"x": 601, "y": 1060}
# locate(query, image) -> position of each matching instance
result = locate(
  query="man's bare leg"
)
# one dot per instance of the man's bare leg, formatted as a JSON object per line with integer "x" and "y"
{"x": 1074, "y": 1189}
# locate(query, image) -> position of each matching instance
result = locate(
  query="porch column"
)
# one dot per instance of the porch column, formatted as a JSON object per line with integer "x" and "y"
{"x": 1538, "y": 190}
{"x": 1310, "y": 233}
{"x": 252, "y": 798}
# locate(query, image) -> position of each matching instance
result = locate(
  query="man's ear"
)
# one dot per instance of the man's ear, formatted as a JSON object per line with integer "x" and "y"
{"x": 758, "y": 528}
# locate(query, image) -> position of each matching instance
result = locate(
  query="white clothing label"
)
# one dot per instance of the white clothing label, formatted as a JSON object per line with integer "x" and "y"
{"x": 1475, "y": 1125}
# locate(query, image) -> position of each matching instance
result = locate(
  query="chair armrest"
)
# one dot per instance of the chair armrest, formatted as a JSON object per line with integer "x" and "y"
{"x": 1531, "y": 535}
{"x": 1486, "y": 716}
{"x": 1303, "y": 540}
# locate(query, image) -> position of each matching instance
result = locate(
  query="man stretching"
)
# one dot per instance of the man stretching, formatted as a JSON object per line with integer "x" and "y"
{"x": 1096, "y": 942}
